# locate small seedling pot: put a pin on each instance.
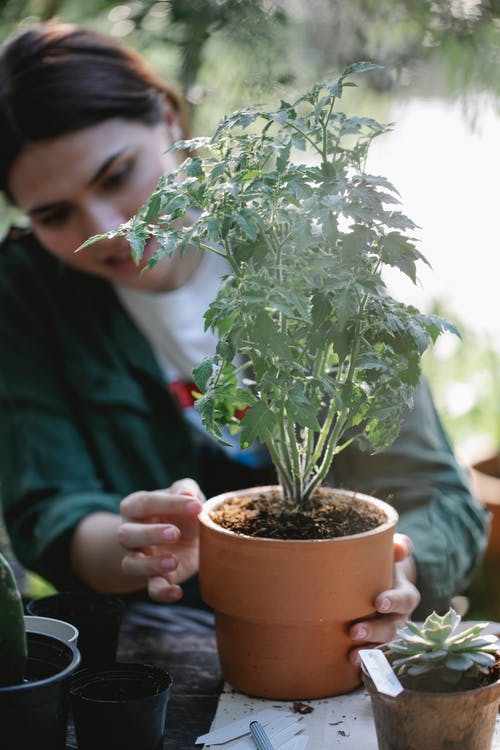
(120, 707)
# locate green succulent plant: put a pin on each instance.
(13, 646)
(436, 647)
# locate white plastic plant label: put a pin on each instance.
(379, 669)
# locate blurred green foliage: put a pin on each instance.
(465, 378)
(231, 51)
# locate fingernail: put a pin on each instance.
(170, 534)
(175, 593)
(193, 506)
(359, 633)
(355, 658)
(168, 563)
(384, 605)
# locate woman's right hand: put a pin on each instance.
(159, 533)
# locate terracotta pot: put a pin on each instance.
(417, 719)
(487, 481)
(282, 608)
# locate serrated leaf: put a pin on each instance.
(202, 373)
(258, 423)
(245, 225)
(302, 411)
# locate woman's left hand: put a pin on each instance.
(159, 535)
(393, 606)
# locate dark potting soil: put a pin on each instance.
(266, 515)
(433, 684)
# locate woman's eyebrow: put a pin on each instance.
(105, 166)
(42, 208)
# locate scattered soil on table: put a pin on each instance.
(267, 515)
(302, 708)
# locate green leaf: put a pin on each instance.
(258, 423)
(360, 67)
(94, 239)
(419, 669)
(460, 662)
(245, 224)
(152, 207)
(484, 660)
(202, 373)
(411, 628)
(302, 411)
(398, 251)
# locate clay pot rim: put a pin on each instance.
(214, 502)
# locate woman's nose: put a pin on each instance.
(102, 217)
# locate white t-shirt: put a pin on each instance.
(173, 323)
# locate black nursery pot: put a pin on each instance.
(121, 707)
(34, 713)
(98, 618)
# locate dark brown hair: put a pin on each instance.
(57, 78)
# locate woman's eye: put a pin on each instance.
(117, 178)
(55, 217)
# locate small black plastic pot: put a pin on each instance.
(120, 707)
(34, 713)
(98, 618)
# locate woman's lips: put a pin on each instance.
(117, 260)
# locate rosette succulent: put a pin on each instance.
(436, 647)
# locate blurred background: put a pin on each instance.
(439, 85)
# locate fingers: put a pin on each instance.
(188, 486)
(394, 606)
(137, 536)
(402, 599)
(143, 506)
(403, 547)
(159, 534)
(144, 565)
(160, 590)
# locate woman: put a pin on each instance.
(95, 359)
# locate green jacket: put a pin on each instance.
(86, 418)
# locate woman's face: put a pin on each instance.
(88, 182)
